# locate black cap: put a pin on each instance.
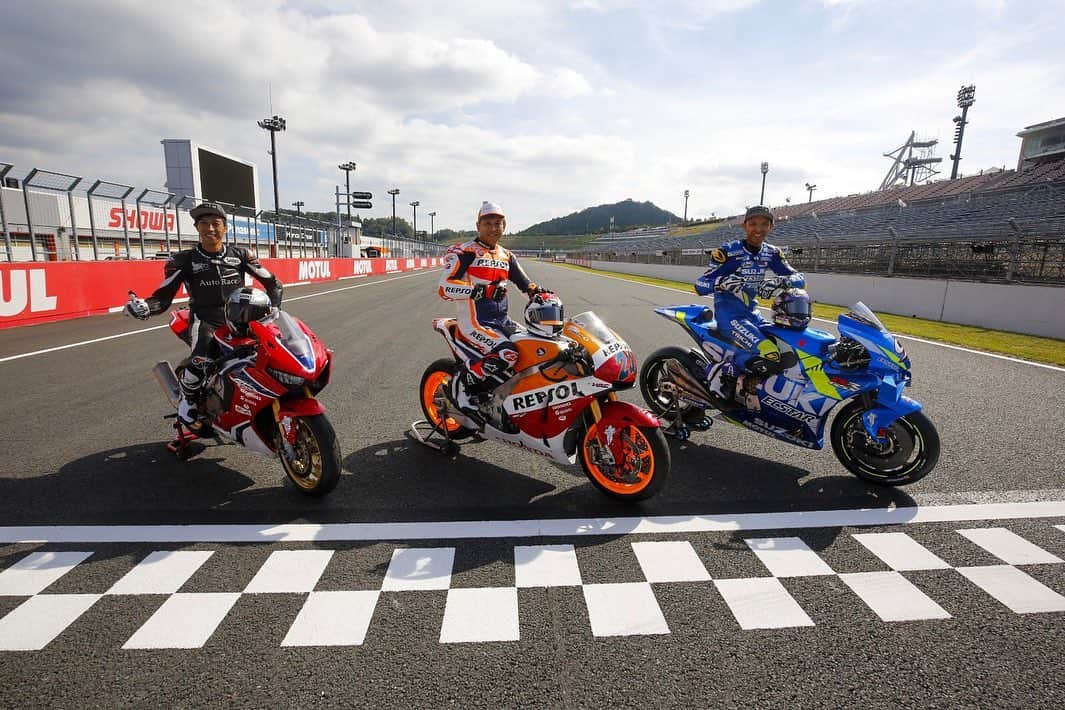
(205, 210)
(758, 211)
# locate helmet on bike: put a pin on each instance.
(544, 315)
(791, 309)
(244, 306)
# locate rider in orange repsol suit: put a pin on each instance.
(474, 278)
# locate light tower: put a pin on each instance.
(966, 98)
(273, 124)
(415, 206)
(347, 168)
(394, 191)
(686, 193)
(810, 189)
(765, 169)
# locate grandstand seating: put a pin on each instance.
(990, 206)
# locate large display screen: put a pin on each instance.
(226, 180)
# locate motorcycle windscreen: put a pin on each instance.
(861, 313)
(292, 338)
(594, 327)
(611, 356)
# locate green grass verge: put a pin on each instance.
(1027, 347)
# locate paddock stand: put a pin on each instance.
(424, 432)
(674, 423)
(182, 438)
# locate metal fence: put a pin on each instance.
(51, 216)
(1020, 259)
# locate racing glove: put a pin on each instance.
(771, 287)
(535, 290)
(479, 292)
(138, 308)
(733, 283)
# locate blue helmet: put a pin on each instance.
(791, 309)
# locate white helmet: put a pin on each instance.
(544, 315)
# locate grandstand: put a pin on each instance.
(999, 225)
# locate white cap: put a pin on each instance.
(488, 208)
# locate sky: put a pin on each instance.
(543, 107)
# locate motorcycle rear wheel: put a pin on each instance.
(644, 456)
(315, 467)
(910, 455)
(432, 394)
(651, 377)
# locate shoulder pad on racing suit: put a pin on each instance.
(455, 285)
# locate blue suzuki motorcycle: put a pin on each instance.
(879, 435)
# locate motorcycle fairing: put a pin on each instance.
(554, 447)
(623, 414)
(543, 408)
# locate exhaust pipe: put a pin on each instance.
(687, 386)
(164, 375)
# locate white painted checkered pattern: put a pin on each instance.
(627, 607)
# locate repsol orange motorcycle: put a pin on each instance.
(561, 404)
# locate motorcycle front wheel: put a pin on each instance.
(432, 393)
(641, 460)
(315, 465)
(910, 453)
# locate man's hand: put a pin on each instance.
(535, 290)
(771, 287)
(478, 292)
(138, 308)
(733, 283)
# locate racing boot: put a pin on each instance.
(491, 373)
(465, 393)
(721, 379)
(187, 411)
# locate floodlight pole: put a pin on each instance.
(273, 125)
(966, 98)
(686, 193)
(347, 168)
(432, 230)
(394, 191)
(765, 169)
(299, 226)
(810, 189)
(415, 206)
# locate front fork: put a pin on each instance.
(888, 406)
(604, 452)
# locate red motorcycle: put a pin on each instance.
(261, 394)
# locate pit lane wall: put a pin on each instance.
(1018, 308)
(40, 292)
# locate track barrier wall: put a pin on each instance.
(1017, 308)
(41, 292)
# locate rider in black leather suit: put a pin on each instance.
(210, 272)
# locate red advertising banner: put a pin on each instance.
(40, 292)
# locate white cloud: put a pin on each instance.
(545, 107)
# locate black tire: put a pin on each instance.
(447, 368)
(315, 468)
(644, 488)
(651, 375)
(914, 435)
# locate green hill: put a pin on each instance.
(626, 214)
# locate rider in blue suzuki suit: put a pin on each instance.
(735, 277)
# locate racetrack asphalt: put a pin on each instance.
(83, 441)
